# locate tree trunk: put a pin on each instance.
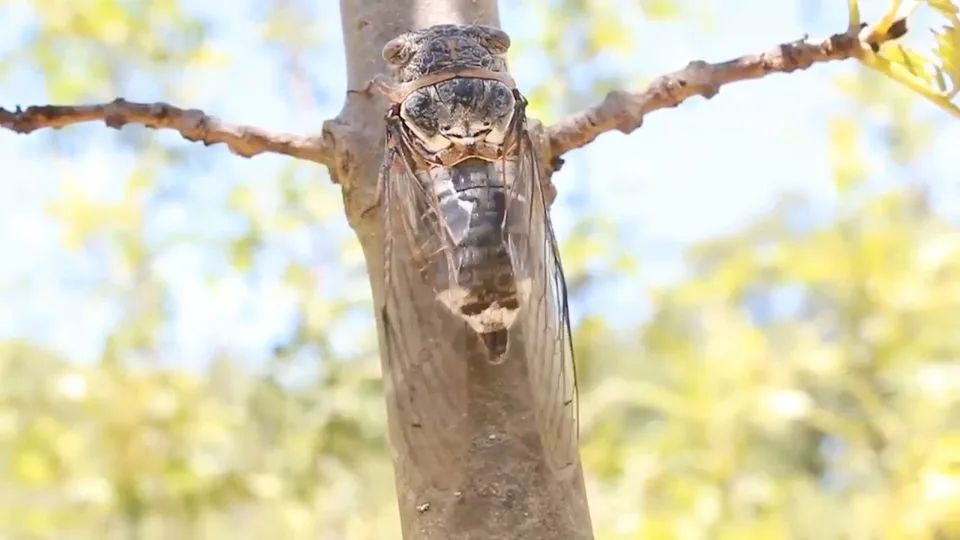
(472, 457)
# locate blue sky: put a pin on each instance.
(703, 169)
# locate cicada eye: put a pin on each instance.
(397, 51)
(493, 39)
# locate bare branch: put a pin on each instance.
(192, 124)
(624, 111)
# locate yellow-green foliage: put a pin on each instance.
(935, 77)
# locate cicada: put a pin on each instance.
(466, 214)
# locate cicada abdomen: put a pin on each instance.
(480, 284)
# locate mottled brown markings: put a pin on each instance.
(453, 52)
(413, 55)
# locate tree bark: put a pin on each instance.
(472, 456)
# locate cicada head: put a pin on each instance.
(462, 110)
(446, 48)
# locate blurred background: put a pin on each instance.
(765, 285)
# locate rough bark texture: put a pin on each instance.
(469, 456)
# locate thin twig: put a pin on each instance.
(192, 124)
(624, 111)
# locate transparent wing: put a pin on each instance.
(544, 321)
(420, 336)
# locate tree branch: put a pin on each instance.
(624, 111)
(192, 124)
